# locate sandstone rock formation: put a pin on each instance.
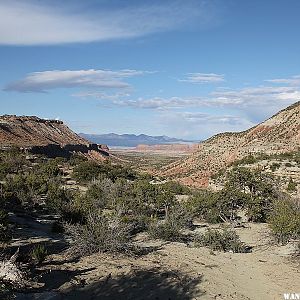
(280, 133)
(50, 137)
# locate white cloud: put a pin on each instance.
(294, 80)
(40, 23)
(160, 103)
(203, 78)
(44, 81)
(257, 98)
(220, 111)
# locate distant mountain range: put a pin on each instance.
(131, 140)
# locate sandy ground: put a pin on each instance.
(175, 271)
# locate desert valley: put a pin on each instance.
(216, 220)
(149, 150)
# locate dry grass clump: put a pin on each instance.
(99, 234)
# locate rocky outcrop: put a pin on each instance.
(49, 137)
(280, 133)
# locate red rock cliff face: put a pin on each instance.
(44, 136)
(280, 133)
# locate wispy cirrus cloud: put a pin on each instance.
(200, 78)
(294, 80)
(252, 97)
(255, 96)
(251, 104)
(155, 103)
(47, 80)
(205, 117)
(40, 23)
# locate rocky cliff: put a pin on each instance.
(50, 137)
(280, 133)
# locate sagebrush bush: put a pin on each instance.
(99, 234)
(225, 240)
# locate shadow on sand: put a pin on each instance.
(140, 284)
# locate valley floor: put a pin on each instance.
(172, 271)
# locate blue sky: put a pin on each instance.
(187, 69)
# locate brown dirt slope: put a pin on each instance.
(280, 133)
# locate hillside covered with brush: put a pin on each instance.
(278, 134)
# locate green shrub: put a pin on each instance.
(216, 207)
(12, 161)
(49, 169)
(136, 223)
(248, 160)
(169, 229)
(77, 159)
(57, 197)
(176, 188)
(259, 190)
(204, 205)
(39, 253)
(225, 240)
(27, 188)
(15, 187)
(87, 171)
(97, 194)
(284, 220)
(243, 189)
(165, 230)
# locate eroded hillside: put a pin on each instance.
(279, 134)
